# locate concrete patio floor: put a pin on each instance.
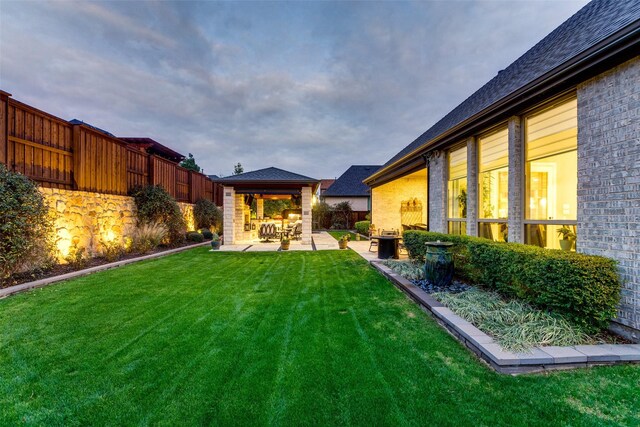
(322, 241)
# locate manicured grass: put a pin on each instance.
(267, 338)
(338, 234)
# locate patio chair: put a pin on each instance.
(267, 232)
(373, 243)
(296, 231)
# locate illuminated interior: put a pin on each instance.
(457, 191)
(551, 173)
(493, 193)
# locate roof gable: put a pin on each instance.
(590, 25)
(350, 184)
(268, 174)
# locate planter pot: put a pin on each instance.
(566, 245)
(438, 265)
(215, 245)
(285, 246)
(342, 244)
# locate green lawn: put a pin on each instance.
(267, 338)
(338, 234)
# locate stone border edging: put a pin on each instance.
(51, 280)
(540, 359)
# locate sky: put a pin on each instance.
(310, 87)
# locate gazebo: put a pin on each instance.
(263, 184)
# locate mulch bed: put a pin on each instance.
(59, 269)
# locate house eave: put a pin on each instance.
(612, 51)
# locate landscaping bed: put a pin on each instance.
(60, 269)
(515, 325)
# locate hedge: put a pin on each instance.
(362, 227)
(583, 288)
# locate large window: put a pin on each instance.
(493, 183)
(457, 191)
(551, 173)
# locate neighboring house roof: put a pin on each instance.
(350, 184)
(268, 174)
(558, 51)
(324, 184)
(154, 147)
(214, 177)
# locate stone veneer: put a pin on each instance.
(609, 177)
(87, 219)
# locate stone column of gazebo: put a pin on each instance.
(269, 183)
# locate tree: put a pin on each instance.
(342, 215)
(190, 163)
(238, 169)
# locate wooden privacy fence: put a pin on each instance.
(59, 154)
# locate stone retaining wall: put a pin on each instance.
(86, 219)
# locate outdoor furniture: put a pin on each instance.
(267, 232)
(373, 242)
(388, 246)
(296, 231)
(420, 226)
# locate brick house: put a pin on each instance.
(552, 140)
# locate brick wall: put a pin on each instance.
(609, 177)
(386, 200)
(438, 193)
(516, 180)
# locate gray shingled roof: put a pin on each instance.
(268, 174)
(590, 25)
(350, 183)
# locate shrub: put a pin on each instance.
(206, 233)
(583, 288)
(155, 205)
(362, 227)
(147, 237)
(322, 216)
(25, 225)
(194, 236)
(341, 216)
(207, 215)
(112, 251)
(77, 256)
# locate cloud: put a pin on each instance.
(311, 87)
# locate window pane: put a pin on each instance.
(552, 131)
(458, 227)
(552, 163)
(552, 187)
(545, 235)
(494, 150)
(496, 231)
(458, 163)
(457, 198)
(494, 194)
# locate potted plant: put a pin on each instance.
(215, 241)
(285, 243)
(343, 241)
(567, 238)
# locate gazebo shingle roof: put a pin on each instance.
(268, 174)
